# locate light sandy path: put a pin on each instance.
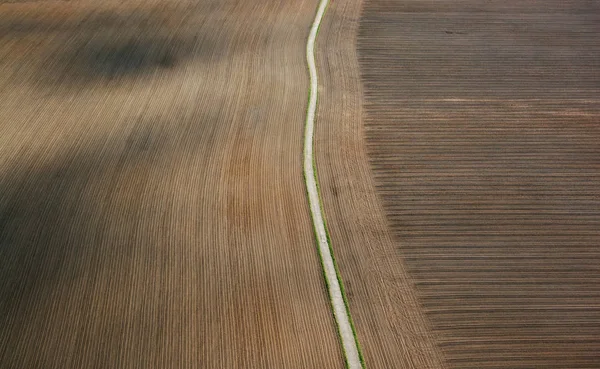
(335, 293)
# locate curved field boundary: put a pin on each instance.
(334, 284)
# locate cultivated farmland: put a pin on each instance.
(390, 325)
(153, 212)
(482, 125)
(152, 207)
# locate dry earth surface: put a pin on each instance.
(390, 325)
(153, 215)
(481, 121)
(152, 206)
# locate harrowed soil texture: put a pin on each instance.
(482, 124)
(153, 212)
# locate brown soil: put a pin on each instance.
(390, 325)
(152, 205)
(481, 121)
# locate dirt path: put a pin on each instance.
(152, 207)
(340, 311)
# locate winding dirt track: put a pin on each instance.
(334, 286)
(152, 206)
(481, 123)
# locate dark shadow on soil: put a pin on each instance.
(105, 47)
(70, 223)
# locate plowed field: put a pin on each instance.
(152, 207)
(390, 325)
(482, 126)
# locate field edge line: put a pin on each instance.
(339, 302)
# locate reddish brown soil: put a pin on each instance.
(482, 123)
